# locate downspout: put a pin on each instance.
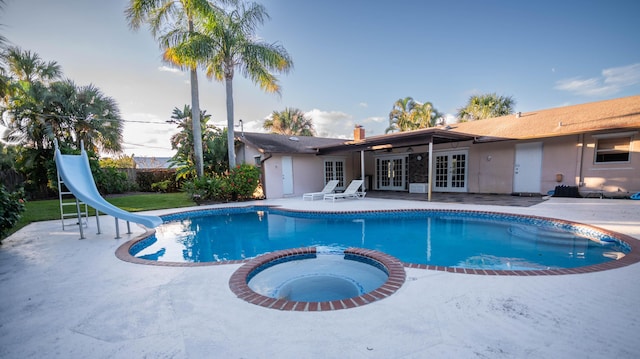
(580, 159)
(364, 185)
(430, 168)
(262, 174)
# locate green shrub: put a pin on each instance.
(242, 181)
(147, 178)
(109, 180)
(11, 207)
(206, 188)
(162, 186)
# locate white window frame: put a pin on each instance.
(337, 175)
(609, 137)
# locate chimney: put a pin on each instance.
(358, 133)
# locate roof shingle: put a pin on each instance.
(621, 113)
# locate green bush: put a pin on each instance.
(206, 188)
(147, 178)
(11, 207)
(242, 181)
(109, 180)
(162, 186)
(239, 184)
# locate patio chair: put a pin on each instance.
(328, 188)
(350, 192)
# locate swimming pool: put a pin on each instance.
(426, 238)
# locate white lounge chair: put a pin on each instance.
(350, 192)
(328, 188)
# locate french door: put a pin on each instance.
(391, 173)
(334, 170)
(450, 171)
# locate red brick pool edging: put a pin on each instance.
(123, 252)
(239, 285)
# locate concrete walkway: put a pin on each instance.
(69, 298)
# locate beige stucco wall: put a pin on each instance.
(611, 177)
(560, 156)
(491, 167)
(308, 174)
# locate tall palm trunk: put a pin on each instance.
(195, 118)
(230, 132)
(197, 129)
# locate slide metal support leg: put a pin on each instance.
(79, 218)
(128, 228)
(117, 230)
(98, 221)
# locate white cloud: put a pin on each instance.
(173, 70)
(335, 124)
(363, 104)
(450, 119)
(612, 81)
(147, 135)
(622, 76)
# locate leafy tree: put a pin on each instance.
(11, 208)
(86, 115)
(122, 161)
(226, 43)
(40, 107)
(8, 155)
(408, 114)
(291, 122)
(27, 66)
(215, 146)
(486, 106)
(172, 21)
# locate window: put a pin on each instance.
(257, 160)
(613, 149)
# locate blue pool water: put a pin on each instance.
(325, 277)
(443, 238)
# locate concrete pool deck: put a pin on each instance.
(69, 298)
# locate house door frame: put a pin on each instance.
(287, 175)
(527, 168)
(450, 171)
(391, 172)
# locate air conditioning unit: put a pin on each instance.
(417, 188)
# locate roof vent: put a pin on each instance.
(294, 138)
(518, 114)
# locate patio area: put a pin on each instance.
(70, 298)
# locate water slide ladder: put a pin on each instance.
(73, 212)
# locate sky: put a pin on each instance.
(353, 59)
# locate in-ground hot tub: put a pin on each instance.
(306, 279)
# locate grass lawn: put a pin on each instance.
(50, 209)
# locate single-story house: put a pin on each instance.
(290, 164)
(151, 162)
(594, 147)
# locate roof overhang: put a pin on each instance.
(398, 140)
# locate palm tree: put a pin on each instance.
(85, 114)
(425, 115)
(26, 96)
(233, 45)
(486, 106)
(214, 144)
(176, 16)
(29, 67)
(408, 114)
(290, 122)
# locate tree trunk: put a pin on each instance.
(197, 129)
(230, 123)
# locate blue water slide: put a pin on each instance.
(76, 174)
